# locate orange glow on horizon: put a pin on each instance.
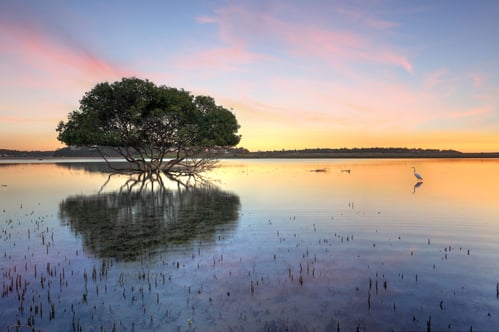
(30, 142)
(367, 179)
(278, 138)
(275, 138)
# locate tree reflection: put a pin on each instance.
(127, 224)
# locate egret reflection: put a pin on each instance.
(416, 186)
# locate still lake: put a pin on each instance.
(262, 245)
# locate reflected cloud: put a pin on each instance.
(128, 224)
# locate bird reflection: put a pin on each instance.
(416, 185)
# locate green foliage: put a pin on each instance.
(136, 115)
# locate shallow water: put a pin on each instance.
(302, 245)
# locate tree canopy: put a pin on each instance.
(156, 128)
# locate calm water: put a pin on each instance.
(279, 245)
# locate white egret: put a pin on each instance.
(417, 175)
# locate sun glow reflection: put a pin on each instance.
(468, 186)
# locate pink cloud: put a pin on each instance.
(366, 18)
(391, 58)
(226, 58)
(243, 26)
(339, 46)
(31, 50)
(436, 78)
(222, 59)
(316, 104)
(471, 112)
(43, 79)
(478, 79)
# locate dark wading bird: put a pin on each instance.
(417, 175)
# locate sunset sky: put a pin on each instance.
(297, 74)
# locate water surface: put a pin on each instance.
(264, 245)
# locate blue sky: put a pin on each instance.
(296, 74)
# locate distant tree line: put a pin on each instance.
(374, 152)
(5, 153)
(373, 149)
(240, 152)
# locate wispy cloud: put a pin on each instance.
(41, 80)
(472, 112)
(367, 18)
(436, 78)
(247, 29)
(479, 79)
(225, 59)
(43, 57)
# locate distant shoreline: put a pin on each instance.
(241, 153)
(359, 155)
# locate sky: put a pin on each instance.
(297, 74)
